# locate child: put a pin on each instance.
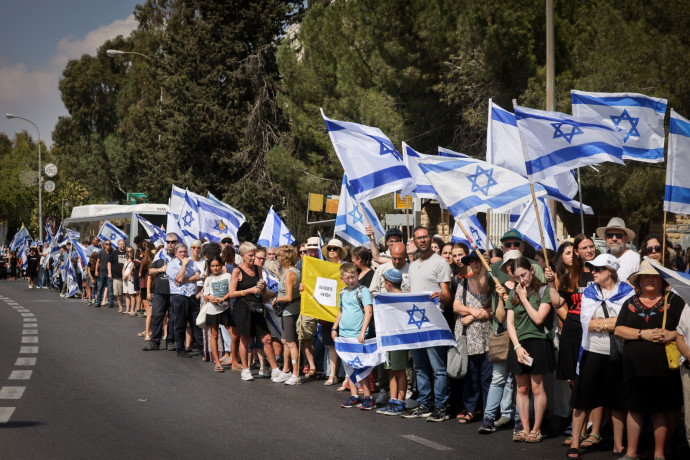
(354, 314)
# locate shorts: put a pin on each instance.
(249, 323)
(144, 293)
(87, 280)
(117, 286)
(290, 328)
(541, 351)
(397, 360)
(135, 282)
(127, 287)
(326, 336)
(307, 327)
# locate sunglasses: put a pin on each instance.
(597, 269)
(171, 242)
(130, 252)
(107, 244)
(513, 244)
(651, 249)
(331, 248)
(304, 252)
(259, 258)
(615, 235)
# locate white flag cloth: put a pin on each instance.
(189, 219)
(476, 231)
(110, 232)
(155, 233)
(217, 220)
(444, 152)
(640, 117)
(528, 226)
(421, 188)
(371, 163)
(81, 251)
(679, 281)
(176, 201)
(72, 234)
(677, 191)
(275, 233)
(70, 279)
(410, 321)
(350, 224)
(555, 142)
(20, 238)
(359, 359)
(171, 225)
(468, 186)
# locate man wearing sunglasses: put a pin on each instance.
(617, 236)
(102, 271)
(512, 241)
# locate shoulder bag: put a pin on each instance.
(672, 353)
(457, 355)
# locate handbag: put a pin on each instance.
(672, 353)
(616, 343)
(498, 347)
(201, 319)
(457, 355)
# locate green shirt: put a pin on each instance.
(524, 326)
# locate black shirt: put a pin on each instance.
(117, 263)
(572, 327)
(103, 259)
(161, 285)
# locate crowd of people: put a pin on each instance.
(583, 335)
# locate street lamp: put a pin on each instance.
(65, 201)
(40, 176)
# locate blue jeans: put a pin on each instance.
(430, 369)
(102, 280)
(40, 277)
(477, 381)
(500, 393)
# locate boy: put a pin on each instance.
(354, 314)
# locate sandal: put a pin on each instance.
(569, 440)
(219, 368)
(311, 374)
(225, 361)
(141, 334)
(466, 418)
(345, 386)
(534, 436)
(520, 436)
(591, 440)
(573, 452)
(147, 338)
(332, 380)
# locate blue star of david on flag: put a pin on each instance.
(386, 147)
(220, 226)
(413, 320)
(113, 236)
(356, 363)
(625, 116)
(474, 179)
(188, 219)
(476, 236)
(288, 237)
(567, 136)
(356, 216)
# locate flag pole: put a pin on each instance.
(299, 347)
(541, 228)
(488, 227)
(663, 242)
(407, 215)
(481, 257)
(582, 214)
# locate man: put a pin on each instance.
(512, 240)
(93, 247)
(679, 262)
(430, 273)
(270, 253)
(398, 261)
(115, 265)
(617, 236)
(393, 235)
(160, 297)
(182, 277)
(102, 269)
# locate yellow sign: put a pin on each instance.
(332, 205)
(322, 284)
(402, 203)
(315, 202)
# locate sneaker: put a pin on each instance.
(382, 398)
(184, 354)
(397, 407)
(275, 373)
(282, 377)
(61, 295)
(438, 415)
(170, 346)
(263, 373)
(503, 421)
(150, 347)
(292, 380)
(383, 410)
(368, 403)
(246, 374)
(418, 412)
(352, 401)
(487, 427)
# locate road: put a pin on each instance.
(75, 384)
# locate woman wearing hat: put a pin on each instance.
(648, 321)
(598, 382)
(335, 252)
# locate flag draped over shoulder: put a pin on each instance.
(275, 233)
(359, 359)
(155, 233)
(350, 224)
(528, 226)
(420, 188)
(468, 186)
(677, 191)
(410, 321)
(555, 142)
(110, 232)
(476, 231)
(322, 283)
(679, 281)
(640, 117)
(371, 163)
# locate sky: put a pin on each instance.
(37, 38)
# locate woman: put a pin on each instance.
(128, 283)
(447, 253)
(270, 292)
(336, 253)
(436, 244)
(32, 268)
(539, 257)
(90, 278)
(495, 255)
(528, 316)
(13, 266)
(289, 300)
(564, 261)
(248, 313)
(231, 341)
(598, 383)
(652, 248)
(473, 307)
(216, 295)
(193, 331)
(647, 321)
(361, 257)
(146, 260)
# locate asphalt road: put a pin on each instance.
(92, 393)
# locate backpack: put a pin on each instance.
(358, 294)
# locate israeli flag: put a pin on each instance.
(350, 225)
(217, 221)
(528, 226)
(274, 233)
(444, 152)
(410, 321)
(679, 281)
(23, 255)
(189, 219)
(176, 201)
(154, 232)
(110, 232)
(359, 359)
(420, 188)
(468, 186)
(171, 225)
(81, 251)
(72, 234)
(371, 163)
(71, 280)
(555, 142)
(274, 323)
(20, 238)
(640, 117)
(320, 246)
(677, 192)
(240, 217)
(163, 255)
(476, 231)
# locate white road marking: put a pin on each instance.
(30, 320)
(25, 362)
(5, 414)
(20, 375)
(23, 310)
(11, 392)
(29, 339)
(426, 442)
(29, 331)
(27, 315)
(30, 350)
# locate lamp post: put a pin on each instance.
(65, 201)
(40, 176)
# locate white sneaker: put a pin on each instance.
(281, 377)
(292, 380)
(246, 374)
(275, 373)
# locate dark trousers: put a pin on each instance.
(160, 304)
(477, 382)
(180, 306)
(104, 281)
(194, 308)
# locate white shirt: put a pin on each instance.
(378, 281)
(683, 328)
(630, 263)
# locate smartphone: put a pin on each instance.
(529, 361)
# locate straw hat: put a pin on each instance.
(615, 223)
(313, 242)
(646, 268)
(334, 243)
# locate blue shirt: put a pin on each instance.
(352, 316)
(185, 289)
